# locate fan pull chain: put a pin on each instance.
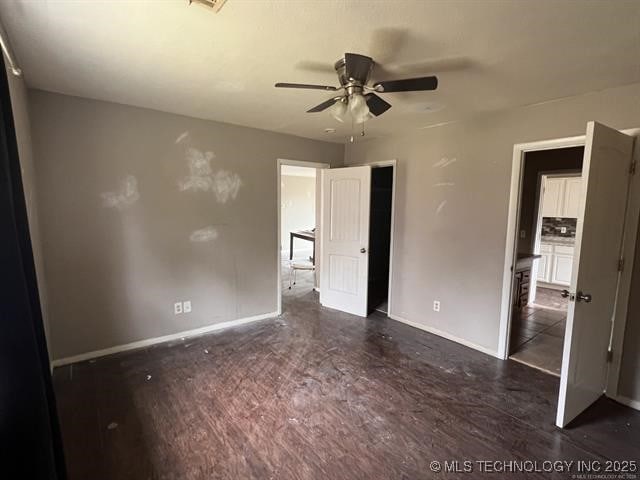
(351, 139)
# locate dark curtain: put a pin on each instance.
(30, 442)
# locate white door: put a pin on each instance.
(552, 197)
(607, 158)
(572, 196)
(346, 196)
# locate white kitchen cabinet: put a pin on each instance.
(572, 196)
(561, 272)
(552, 198)
(554, 267)
(544, 272)
(561, 196)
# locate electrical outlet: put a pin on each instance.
(177, 308)
(563, 229)
(186, 306)
(436, 305)
(523, 234)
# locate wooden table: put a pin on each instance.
(309, 235)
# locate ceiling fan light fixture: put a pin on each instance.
(358, 108)
(354, 71)
(339, 110)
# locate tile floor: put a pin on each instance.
(538, 332)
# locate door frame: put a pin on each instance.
(386, 163)
(295, 163)
(628, 250)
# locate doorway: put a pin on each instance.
(356, 238)
(548, 215)
(298, 215)
(599, 287)
(380, 239)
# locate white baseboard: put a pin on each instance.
(446, 335)
(166, 338)
(635, 404)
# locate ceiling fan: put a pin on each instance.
(353, 72)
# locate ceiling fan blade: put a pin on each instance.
(357, 66)
(306, 86)
(407, 85)
(377, 106)
(324, 105)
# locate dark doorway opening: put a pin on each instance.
(380, 238)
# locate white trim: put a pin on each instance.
(533, 279)
(446, 335)
(627, 401)
(298, 171)
(295, 163)
(166, 338)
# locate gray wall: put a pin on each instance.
(452, 202)
(141, 208)
(298, 199)
(20, 108)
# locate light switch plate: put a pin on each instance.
(186, 306)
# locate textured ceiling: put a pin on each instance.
(184, 59)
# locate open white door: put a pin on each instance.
(344, 239)
(595, 276)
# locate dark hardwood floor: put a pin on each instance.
(317, 394)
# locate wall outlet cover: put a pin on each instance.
(186, 306)
(177, 308)
(436, 305)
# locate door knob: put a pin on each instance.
(363, 250)
(564, 293)
(584, 297)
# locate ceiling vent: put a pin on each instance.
(215, 5)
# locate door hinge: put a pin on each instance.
(632, 168)
(621, 265)
(609, 355)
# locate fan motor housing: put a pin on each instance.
(347, 81)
